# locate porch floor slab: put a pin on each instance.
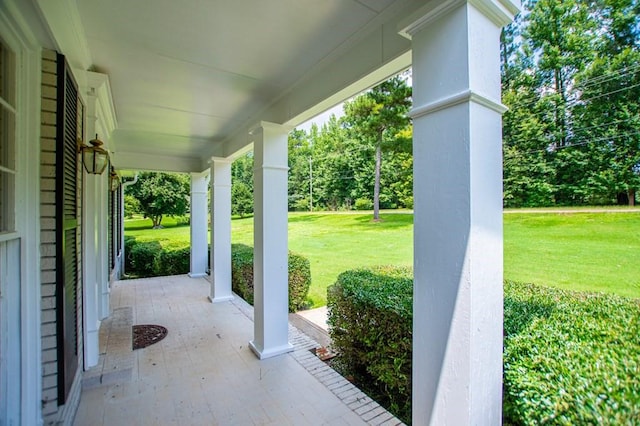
(204, 373)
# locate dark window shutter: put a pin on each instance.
(69, 130)
(112, 257)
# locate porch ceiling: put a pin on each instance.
(190, 78)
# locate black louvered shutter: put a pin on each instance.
(69, 130)
(112, 259)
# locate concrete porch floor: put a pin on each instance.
(203, 372)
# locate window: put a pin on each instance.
(7, 138)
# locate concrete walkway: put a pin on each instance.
(203, 372)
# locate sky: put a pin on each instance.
(322, 118)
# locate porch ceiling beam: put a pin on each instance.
(160, 163)
(352, 69)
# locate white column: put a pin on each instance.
(220, 230)
(103, 191)
(270, 262)
(90, 252)
(199, 255)
(90, 272)
(457, 328)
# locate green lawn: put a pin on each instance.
(578, 250)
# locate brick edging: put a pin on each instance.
(366, 408)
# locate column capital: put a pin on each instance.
(269, 127)
(500, 12)
(221, 160)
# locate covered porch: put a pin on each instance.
(203, 371)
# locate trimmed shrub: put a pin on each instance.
(370, 322)
(299, 281)
(242, 271)
(173, 261)
(242, 276)
(143, 256)
(129, 243)
(183, 220)
(569, 357)
(363, 204)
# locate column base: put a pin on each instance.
(92, 347)
(220, 299)
(269, 353)
(197, 274)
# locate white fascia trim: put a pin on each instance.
(457, 99)
(500, 12)
(67, 31)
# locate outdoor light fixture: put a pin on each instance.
(94, 157)
(114, 181)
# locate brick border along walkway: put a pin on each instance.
(365, 407)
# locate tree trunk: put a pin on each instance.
(632, 197)
(376, 185)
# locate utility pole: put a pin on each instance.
(310, 184)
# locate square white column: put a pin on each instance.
(220, 230)
(458, 272)
(198, 220)
(270, 251)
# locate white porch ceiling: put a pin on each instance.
(190, 77)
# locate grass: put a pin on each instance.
(579, 250)
(575, 251)
(336, 242)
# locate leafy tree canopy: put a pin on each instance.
(161, 194)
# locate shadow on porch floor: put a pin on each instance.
(203, 372)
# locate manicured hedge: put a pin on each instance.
(242, 276)
(129, 242)
(173, 261)
(143, 255)
(152, 259)
(569, 357)
(370, 320)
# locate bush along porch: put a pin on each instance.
(569, 357)
(242, 276)
(153, 259)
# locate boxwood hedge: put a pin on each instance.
(370, 321)
(242, 276)
(569, 357)
(151, 259)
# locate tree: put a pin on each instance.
(242, 185)
(378, 118)
(241, 199)
(131, 205)
(161, 194)
(609, 108)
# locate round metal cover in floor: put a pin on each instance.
(147, 334)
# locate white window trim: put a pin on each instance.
(16, 33)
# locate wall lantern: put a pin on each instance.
(94, 157)
(114, 181)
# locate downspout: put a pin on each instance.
(123, 257)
